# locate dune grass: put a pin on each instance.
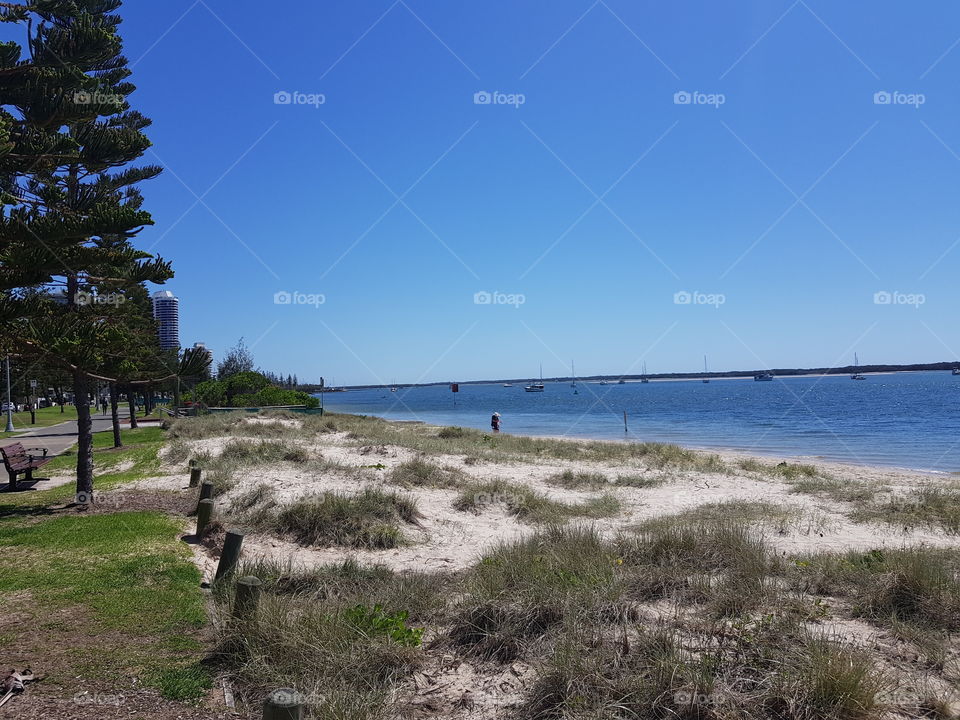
(528, 505)
(420, 472)
(926, 507)
(370, 519)
(577, 480)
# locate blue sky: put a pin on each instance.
(782, 198)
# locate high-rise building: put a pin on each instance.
(166, 311)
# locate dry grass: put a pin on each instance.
(370, 519)
(926, 507)
(529, 505)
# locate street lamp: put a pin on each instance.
(9, 402)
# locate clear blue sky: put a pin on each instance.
(598, 199)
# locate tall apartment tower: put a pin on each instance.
(166, 311)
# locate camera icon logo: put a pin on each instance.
(482, 98)
(84, 498)
(882, 97)
(482, 298)
(882, 298)
(682, 298)
(83, 298)
(282, 298)
(682, 98)
(282, 98)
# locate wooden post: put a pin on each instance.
(195, 476)
(625, 421)
(206, 492)
(204, 513)
(283, 704)
(231, 553)
(247, 597)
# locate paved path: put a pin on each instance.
(58, 438)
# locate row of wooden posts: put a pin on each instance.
(282, 704)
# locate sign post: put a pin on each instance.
(454, 388)
(321, 397)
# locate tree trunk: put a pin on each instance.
(81, 394)
(115, 414)
(132, 398)
(176, 397)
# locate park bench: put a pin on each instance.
(18, 461)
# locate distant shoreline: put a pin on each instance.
(664, 377)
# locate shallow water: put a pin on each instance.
(909, 420)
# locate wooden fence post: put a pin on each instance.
(231, 553)
(247, 597)
(204, 513)
(283, 704)
(195, 476)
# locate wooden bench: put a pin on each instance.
(18, 461)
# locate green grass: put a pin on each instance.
(45, 418)
(123, 574)
(140, 451)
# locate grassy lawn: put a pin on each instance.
(45, 418)
(106, 595)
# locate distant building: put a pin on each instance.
(166, 311)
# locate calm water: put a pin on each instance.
(909, 420)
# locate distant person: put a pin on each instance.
(495, 422)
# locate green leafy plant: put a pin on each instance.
(375, 621)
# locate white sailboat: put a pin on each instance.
(573, 374)
(644, 378)
(536, 387)
(857, 375)
(706, 379)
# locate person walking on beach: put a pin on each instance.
(495, 422)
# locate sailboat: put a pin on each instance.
(706, 379)
(644, 378)
(857, 375)
(956, 371)
(573, 373)
(536, 387)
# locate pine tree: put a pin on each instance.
(68, 196)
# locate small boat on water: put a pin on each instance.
(644, 378)
(536, 387)
(857, 375)
(956, 371)
(603, 382)
(621, 382)
(763, 377)
(705, 371)
(508, 384)
(573, 375)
